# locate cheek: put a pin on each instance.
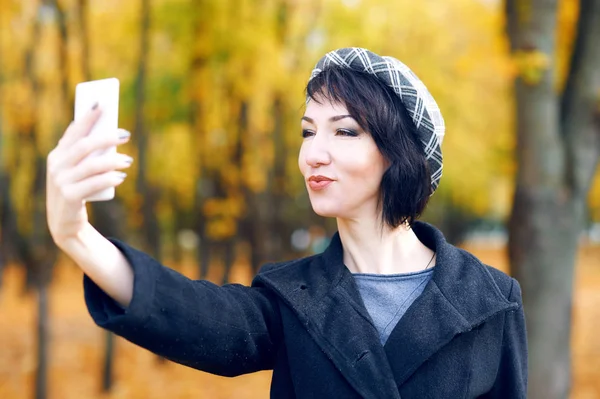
(365, 166)
(301, 159)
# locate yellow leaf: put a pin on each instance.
(531, 65)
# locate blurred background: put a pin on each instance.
(213, 92)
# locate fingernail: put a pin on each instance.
(121, 175)
(95, 106)
(124, 134)
(128, 159)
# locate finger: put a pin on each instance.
(87, 145)
(94, 166)
(80, 128)
(83, 189)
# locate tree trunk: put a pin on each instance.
(149, 193)
(204, 255)
(280, 236)
(41, 266)
(109, 361)
(37, 251)
(256, 223)
(3, 187)
(4, 218)
(556, 157)
(542, 252)
(108, 219)
(62, 44)
(180, 218)
(41, 377)
(13, 244)
(228, 258)
(82, 10)
(199, 56)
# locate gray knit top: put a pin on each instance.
(388, 296)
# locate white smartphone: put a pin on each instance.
(105, 92)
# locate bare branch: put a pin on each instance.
(511, 22)
(63, 53)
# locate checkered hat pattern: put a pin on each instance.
(416, 98)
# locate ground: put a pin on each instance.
(76, 343)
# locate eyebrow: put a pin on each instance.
(332, 119)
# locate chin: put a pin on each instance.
(326, 209)
(325, 214)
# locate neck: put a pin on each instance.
(370, 249)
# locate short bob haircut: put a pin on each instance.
(406, 184)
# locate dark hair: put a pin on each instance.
(406, 184)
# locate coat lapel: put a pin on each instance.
(324, 296)
(460, 295)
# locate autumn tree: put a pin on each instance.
(29, 236)
(213, 94)
(558, 144)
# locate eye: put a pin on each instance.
(307, 133)
(347, 132)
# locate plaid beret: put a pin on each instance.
(416, 98)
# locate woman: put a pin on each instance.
(389, 310)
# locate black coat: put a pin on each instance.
(463, 337)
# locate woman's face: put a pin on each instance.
(340, 162)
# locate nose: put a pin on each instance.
(317, 151)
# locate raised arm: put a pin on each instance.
(227, 330)
(73, 176)
(99, 259)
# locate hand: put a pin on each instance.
(71, 176)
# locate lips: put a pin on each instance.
(319, 182)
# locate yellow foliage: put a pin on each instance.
(229, 207)
(568, 11)
(524, 11)
(21, 189)
(19, 114)
(221, 228)
(531, 65)
(175, 166)
(212, 207)
(244, 53)
(594, 197)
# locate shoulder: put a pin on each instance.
(476, 290)
(287, 274)
(273, 267)
(507, 285)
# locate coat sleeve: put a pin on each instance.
(226, 330)
(511, 380)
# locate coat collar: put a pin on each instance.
(321, 290)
